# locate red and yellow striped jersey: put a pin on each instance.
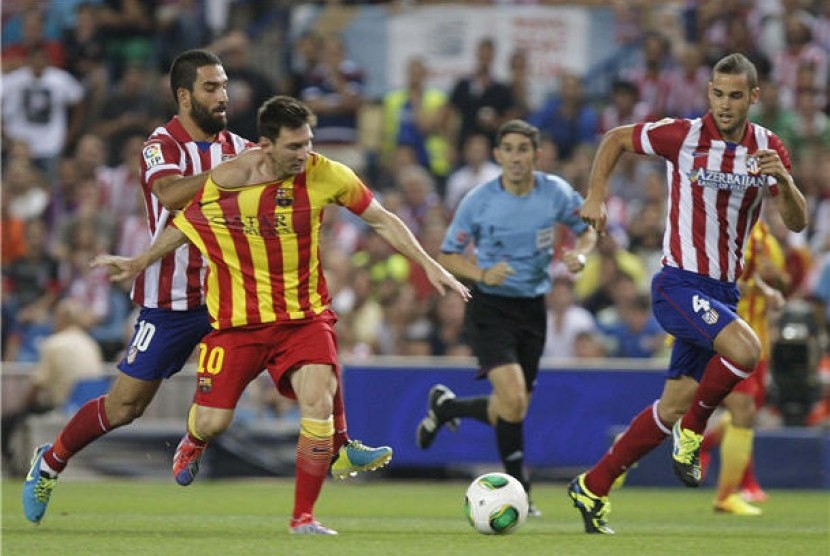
(753, 304)
(262, 242)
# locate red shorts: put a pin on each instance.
(755, 384)
(231, 358)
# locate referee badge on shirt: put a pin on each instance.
(285, 197)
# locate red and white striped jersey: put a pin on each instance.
(715, 191)
(175, 281)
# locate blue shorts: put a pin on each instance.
(694, 309)
(163, 341)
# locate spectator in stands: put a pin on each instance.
(481, 102)
(609, 257)
(86, 58)
(36, 100)
(650, 74)
(645, 230)
(477, 168)
(11, 241)
(447, 335)
(566, 320)
(637, 333)
(128, 27)
(90, 156)
(519, 83)
(820, 221)
(24, 189)
(404, 321)
(68, 355)
(119, 185)
(14, 20)
(417, 187)
(587, 345)
(248, 87)
(31, 286)
(567, 117)
(133, 108)
(625, 106)
(770, 113)
(616, 292)
(363, 314)
(800, 51)
(84, 46)
(416, 115)
(16, 55)
(812, 125)
(305, 56)
(686, 85)
(386, 267)
(334, 90)
(548, 156)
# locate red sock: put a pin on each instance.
(645, 433)
(89, 423)
(314, 449)
(341, 435)
(720, 376)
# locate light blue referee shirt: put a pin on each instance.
(518, 230)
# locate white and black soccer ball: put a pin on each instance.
(495, 504)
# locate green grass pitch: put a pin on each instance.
(395, 518)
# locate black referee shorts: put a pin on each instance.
(507, 330)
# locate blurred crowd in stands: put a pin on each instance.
(84, 83)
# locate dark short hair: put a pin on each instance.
(522, 128)
(184, 69)
(283, 111)
(737, 64)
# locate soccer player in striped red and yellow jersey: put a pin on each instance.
(763, 278)
(257, 221)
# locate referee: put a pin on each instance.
(511, 222)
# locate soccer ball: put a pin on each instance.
(495, 504)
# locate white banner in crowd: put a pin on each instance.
(554, 38)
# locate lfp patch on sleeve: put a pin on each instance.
(152, 155)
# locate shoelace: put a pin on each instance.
(689, 446)
(43, 489)
(358, 445)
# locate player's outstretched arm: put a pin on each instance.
(123, 268)
(613, 144)
(400, 237)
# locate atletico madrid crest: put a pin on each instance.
(752, 165)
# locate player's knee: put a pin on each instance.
(120, 413)
(748, 357)
(211, 425)
(743, 349)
